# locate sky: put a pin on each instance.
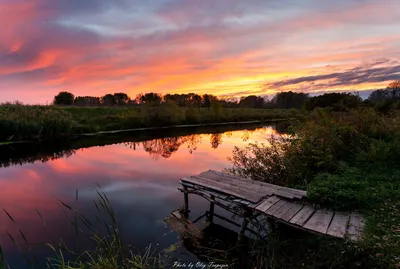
(228, 48)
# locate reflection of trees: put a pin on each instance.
(192, 141)
(162, 147)
(166, 146)
(215, 140)
(12, 156)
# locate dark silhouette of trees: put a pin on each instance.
(121, 98)
(150, 98)
(287, 100)
(64, 98)
(109, 100)
(252, 101)
(208, 99)
(387, 99)
(336, 101)
(86, 101)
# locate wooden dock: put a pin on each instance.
(289, 206)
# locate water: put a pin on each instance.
(139, 173)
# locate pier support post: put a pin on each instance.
(211, 213)
(186, 198)
(245, 222)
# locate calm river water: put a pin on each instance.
(139, 173)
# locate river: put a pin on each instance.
(139, 172)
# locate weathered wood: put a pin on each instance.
(251, 184)
(300, 193)
(281, 211)
(302, 216)
(211, 215)
(288, 215)
(225, 188)
(356, 226)
(275, 207)
(276, 202)
(186, 198)
(236, 182)
(319, 222)
(264, 206)
(338, 225)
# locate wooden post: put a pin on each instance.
(186, 197)
(211, 213)
(245, 222)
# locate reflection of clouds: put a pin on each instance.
(142, 190)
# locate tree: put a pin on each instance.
(121, 98)
(64, 98)
(287, 100)
(336, 101)
(252, 101)
(208, 99)
(86, 101)
(109, 100)
(149, 98)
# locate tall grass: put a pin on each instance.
(25, 122)
(108, 252)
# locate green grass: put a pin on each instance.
(347, 161)
(24, 122)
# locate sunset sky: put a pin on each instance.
(225, 47)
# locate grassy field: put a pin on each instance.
(22, 122)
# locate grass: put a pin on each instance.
(347, 161)
(109, 251)
(25, 122)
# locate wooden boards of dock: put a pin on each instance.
(286, 205)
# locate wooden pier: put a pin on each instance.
(250, 198)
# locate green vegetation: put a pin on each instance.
(345, 161)
(23, 122)
(108, 252)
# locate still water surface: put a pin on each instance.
(140, 176)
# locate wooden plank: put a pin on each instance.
(224, 188)
(338, 225)
(275, 207)
(356, 226)
(251, 185)
(288, 215)
(249, 194)
(264, 206)
(319, 222)
(272, 189)
(281, 211)
(302, 216)
(301, 193)
(236, 182)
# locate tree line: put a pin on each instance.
(382, 99)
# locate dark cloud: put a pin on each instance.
(354, 76)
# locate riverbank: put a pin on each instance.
(21, 122)
(345, 162)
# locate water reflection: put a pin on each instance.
(163, 146)
(140, 174)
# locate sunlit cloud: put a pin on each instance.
(229, 48)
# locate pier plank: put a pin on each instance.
(356, 226)
(288, 215)
(265, 205)
(319, 222)
(338, 225)
(225, 188)
(302, 216)
(275, 207)
(297, 192)
(255, 185)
